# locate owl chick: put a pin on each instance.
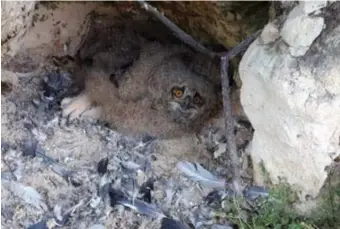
(157, 95)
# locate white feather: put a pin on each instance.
(28, 194)
(199, 174)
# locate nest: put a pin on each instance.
(85, 175)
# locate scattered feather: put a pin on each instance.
(97, 226)
(168, 223)
(169, 191)
(219, 226)
(76, 179)
(55, 166)
(57, 212)
(46, 159)
(130, 165)
(145, 190)
(214, 197)
(254, 192)
(63, 218)
(221, 150)
(58, 169)
(102, 166)
(28, 194)
(148, 138)
(197, 173)
(118, 197)
(201, 217)
(19, 170)
(29, 147)
(7, 175)
(95, 201)
(4, 146)
(39, 225)
(29, 126)
(104, 186)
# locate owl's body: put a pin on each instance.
(157, 95)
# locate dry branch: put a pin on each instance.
(228, 114)
(229, 126)
(225, 57)
(186, 38)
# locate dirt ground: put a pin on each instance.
(57, 172)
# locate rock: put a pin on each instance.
(15, 18)
(294, 103)
(224, 22)
(312, 6)
(270, 33)
(299, 31)
(32, 30)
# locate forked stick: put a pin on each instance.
(186, 38)
(225, 57)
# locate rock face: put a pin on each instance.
(224, 22)
(33, 30)
(291, 95)
(15, 17)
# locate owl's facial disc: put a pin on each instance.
(185, 106)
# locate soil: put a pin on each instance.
(51, 167)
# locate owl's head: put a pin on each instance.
(186, 104)
(188, 98)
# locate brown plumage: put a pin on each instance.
(157, 95)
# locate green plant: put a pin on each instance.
(277, 211)
(327, 215)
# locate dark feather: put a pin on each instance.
(39, 225)
(102, 166)
(145, 190)
(4, 146)
(118, 197)
(168, 223)
(29, 147)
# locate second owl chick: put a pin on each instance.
(158, 96)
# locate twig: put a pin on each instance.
(228, 114)
(189, 40)
(241, 47)
(229, 126)
(186, 38)
(225, 57)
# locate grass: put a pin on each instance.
(278, 211)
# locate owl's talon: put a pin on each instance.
(65, 102)
(79, 107)
(92, 112)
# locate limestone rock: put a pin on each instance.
(312, 6)
(300, 30)
(15, 18)
(270, 33)
(32, 31)
(294, 103)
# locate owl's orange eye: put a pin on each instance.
(178, 92)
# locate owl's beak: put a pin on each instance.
(186, 104)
